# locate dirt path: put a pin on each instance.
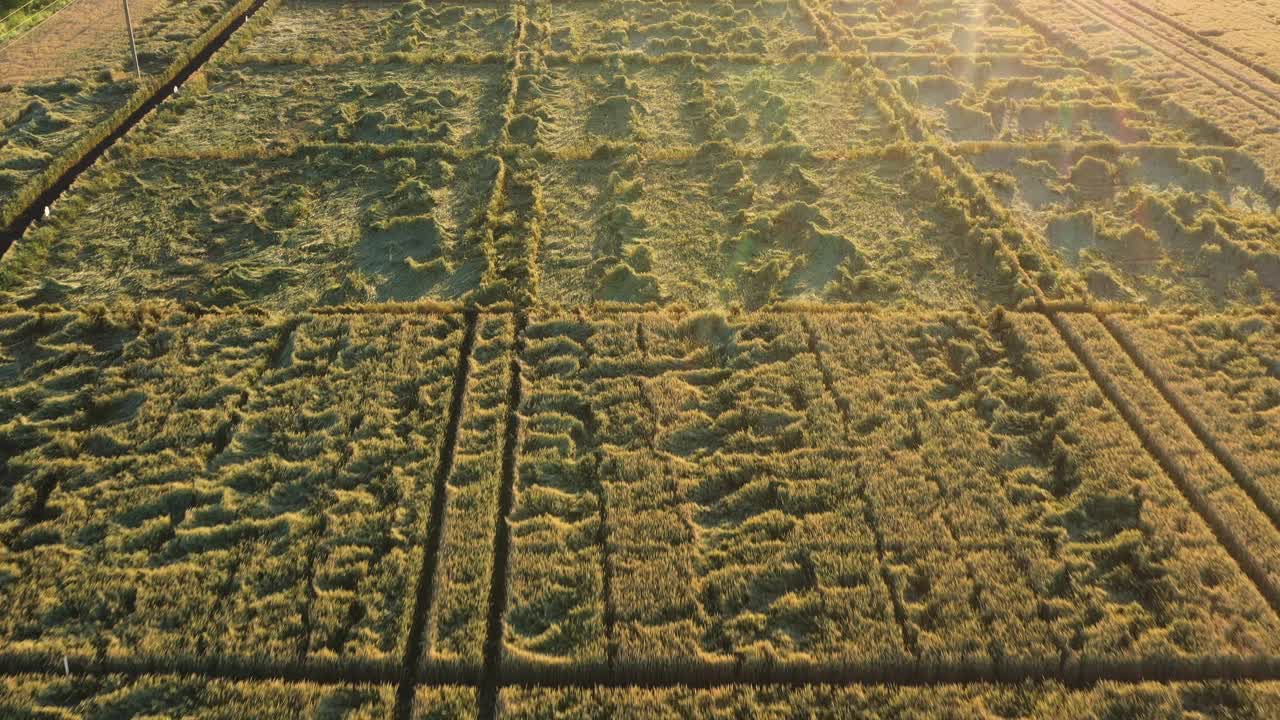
(84, 37)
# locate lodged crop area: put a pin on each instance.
(647, 358)
(706, 155)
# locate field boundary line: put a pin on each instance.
(26, 205)
(675, 153)
(680, 59)
(491, 674)
(971, 147)
(429, 309)
(242, 59)
(425, 589)
(1192, 420)
(332, 672)
(1222, 531)
(897, 673)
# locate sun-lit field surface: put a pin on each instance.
(750, 358)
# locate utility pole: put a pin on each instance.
(133, 46)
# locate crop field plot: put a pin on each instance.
(716, 358)
(1163, 225)
(1180, 61)
(1237, 28)
(247, 515)
(1015, 98)
(289, 231)
(717, 229)
(574, 106)
(41, 120)
(754, 492)
(319, 29)
(246, 106)
(977, 73)
(274, 509)
(819, 104)
(776, 29)
(937, 26)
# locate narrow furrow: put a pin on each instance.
(610, 615)
(284, 348)
(309, 592)
(910, 673)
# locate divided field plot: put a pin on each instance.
(1180, 62)
(239, 490)
(713, 358)
(286, 185)
(977, 73)
(290, 179)
(320, 29)
(245, 106)
(694, 494)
